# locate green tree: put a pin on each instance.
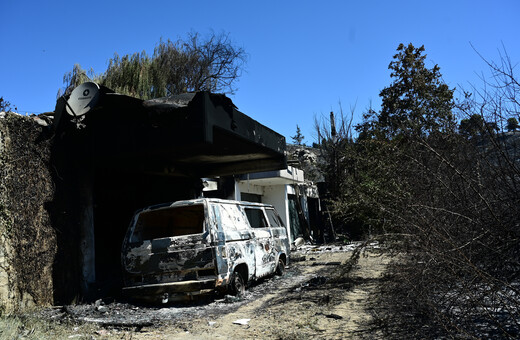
(475, 125)
(298, 138)
(418, 102)
(76, 77)
(211, 64)
(472, 126)
(378, 174)
(131, 75)
(512, 124)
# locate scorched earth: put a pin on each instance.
(324, 293)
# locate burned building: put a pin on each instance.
(112, 154)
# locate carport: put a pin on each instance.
(124, 153)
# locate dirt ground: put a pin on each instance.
(324, 293)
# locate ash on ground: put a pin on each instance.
(124, 314)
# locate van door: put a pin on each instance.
(264, 253)
(233, 244)
(278, 232)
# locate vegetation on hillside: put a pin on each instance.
(6, 106)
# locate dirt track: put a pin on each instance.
(322, 295)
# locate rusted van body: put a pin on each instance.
(198, 246)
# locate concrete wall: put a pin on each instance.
(277, 196)
(249, 188)
(271, 194)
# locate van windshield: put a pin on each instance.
(169, 222)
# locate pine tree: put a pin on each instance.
(418, 102)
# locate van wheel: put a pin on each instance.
(280, 268)
(237, 286)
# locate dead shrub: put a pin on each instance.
(25, 188)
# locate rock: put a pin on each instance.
(241, 321)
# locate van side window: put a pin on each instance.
(169, 222)
(231, 217)
(256, 218)
(274, 220)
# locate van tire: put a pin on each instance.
(280, 268)
(237, 287)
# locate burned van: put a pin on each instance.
(185, 248)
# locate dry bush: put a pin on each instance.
(460, 276)
(26, 186)
(460, 273)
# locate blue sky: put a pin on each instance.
(304, 56)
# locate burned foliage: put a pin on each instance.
(453, 213)
(28, 241)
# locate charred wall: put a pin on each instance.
(66, 210)
(117, 196)
(103, 175)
